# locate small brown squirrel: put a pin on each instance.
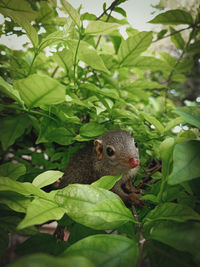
(113, 153)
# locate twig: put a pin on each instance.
(54, 72)
(157, 168)
(142, 240)
(111, 7)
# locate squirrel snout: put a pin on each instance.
(134, 162)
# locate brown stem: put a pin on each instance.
(142, 240)
(54, 72)
(111, 7)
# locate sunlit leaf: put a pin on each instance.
(46, 178)
(190, 115)
(133, 47)
(72, 12)
(38, 90)
(106, 182)
(100, 27)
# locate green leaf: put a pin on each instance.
(181, 236)
(133, 47)
(177, 39)
(120, 11)
(106, 250)
(22, 13)
(72, 12)
(100, 27)
(14, 201)
(149, 63)
(172, 211)
(153, 121)
(40, 211)
(93, 207)
(46, 178)
(173, 17)
(26, 189)
(173, 123)
(12, 170)
(11, 129)
(145, 84)
(41, 243)
(92, 129)
(44, 260)
(190, 115)
(38, 90)
(166, 150)
(7, 89)
(186, 162)
(106, 182)
(88, 54)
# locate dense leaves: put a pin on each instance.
(77, 78)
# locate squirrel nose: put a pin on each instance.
(134, 162)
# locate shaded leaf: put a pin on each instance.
(12, 128)
(172, 211)
(44, 260)
(92, 129)
(177, 39)
(186, 162)
(106, 250)
(12, 170)
(166, 150)
(190, 115)
(153, 121)
(173, 17)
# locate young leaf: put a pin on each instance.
(72, 12)
(100, 27)
(172, 211)
(173, 17)
(7, 89)
(106, 250)
(88, 54)
(190, 115)
(38, 90)
(173, 123)
(46, 178)
(41, 210)
(153, 121)
(12, 170)
(133, 47)
(90, 206)
(106, 182)
(12, 128)
(186, 162)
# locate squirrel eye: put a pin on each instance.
(136, 144)
(110, 152)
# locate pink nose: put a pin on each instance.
(134, 162)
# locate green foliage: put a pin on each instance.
(93, 80)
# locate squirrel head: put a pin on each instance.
(117, 150)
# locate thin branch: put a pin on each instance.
(142, 240)
(54, 72)
(155, 169)
(111, 7)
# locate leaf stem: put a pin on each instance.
(75, 57)
(142, 240)
(34, 57)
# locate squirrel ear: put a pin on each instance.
(99, 148)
